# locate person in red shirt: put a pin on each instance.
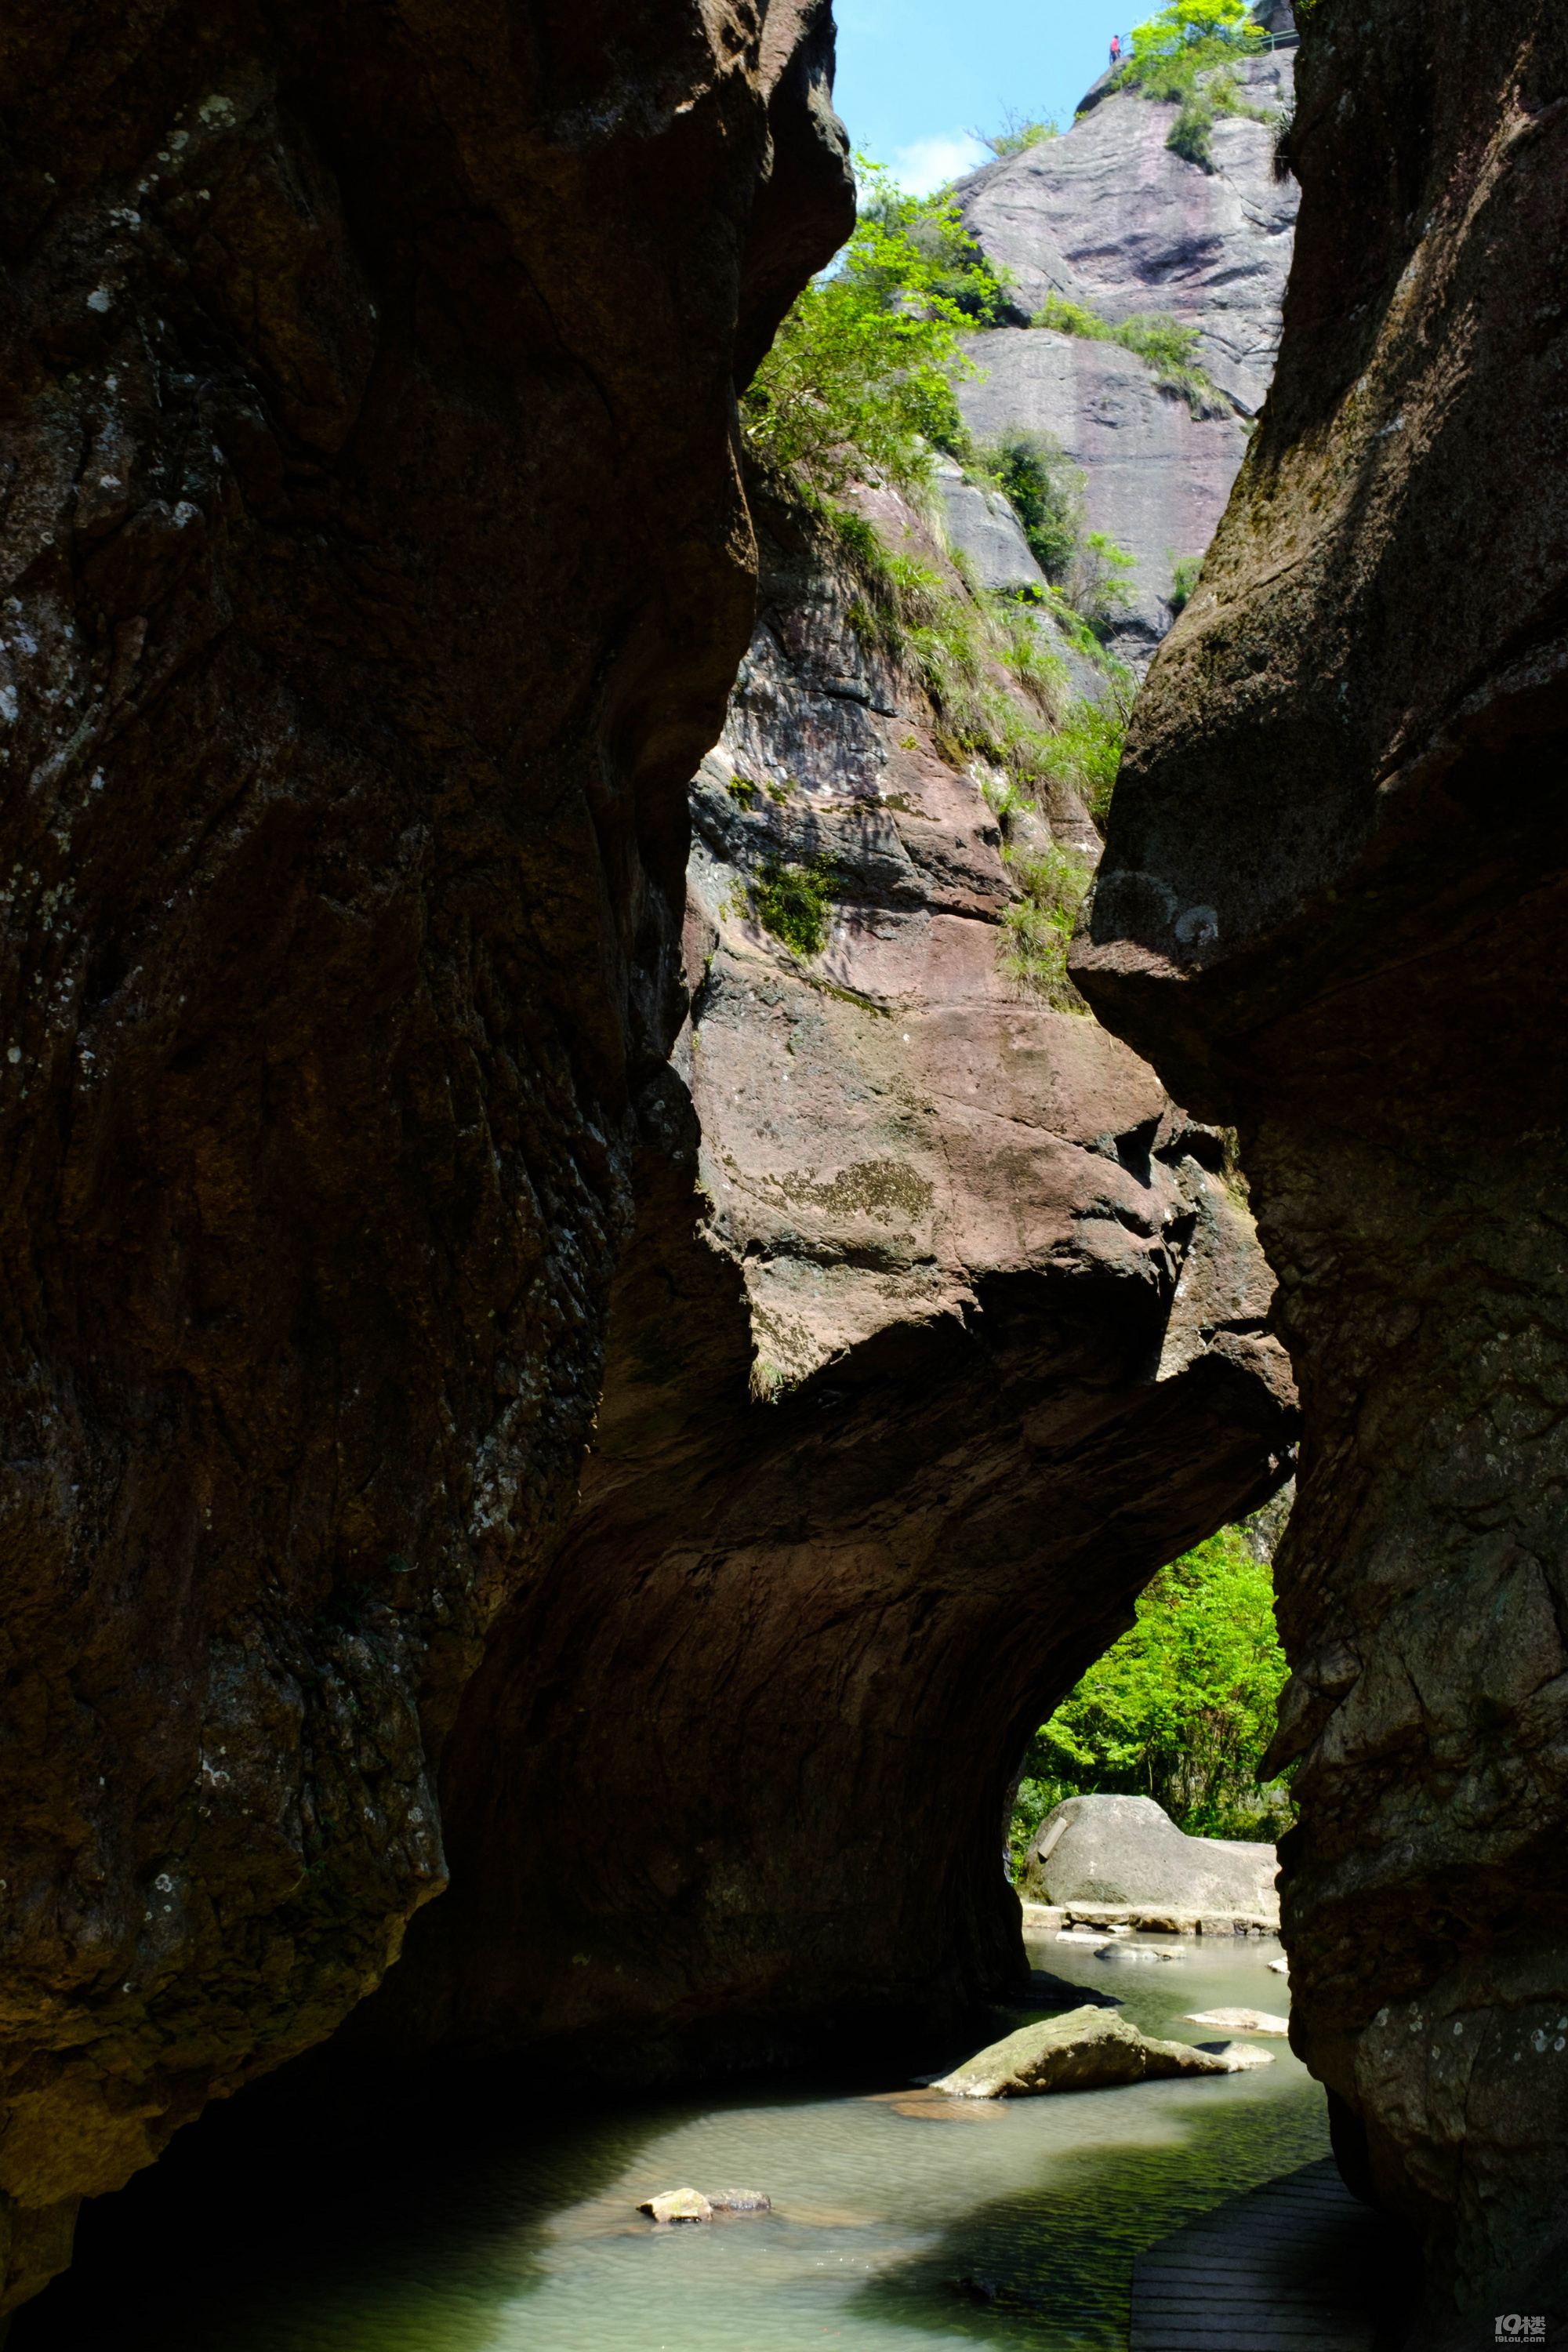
(1116, 49)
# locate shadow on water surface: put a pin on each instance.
(325, 2212)
(1051, 2264)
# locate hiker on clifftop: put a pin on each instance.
(1115, 49)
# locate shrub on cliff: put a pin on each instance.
(1039, 925)
(1182, 57)
(1160, 340)
(1046, 491)
(960, 272)
(860, 380)
(1017, 134)
(1181, 1708)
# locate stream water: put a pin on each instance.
(535, 2246)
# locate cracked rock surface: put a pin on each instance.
(373, 566)
(1332, 909)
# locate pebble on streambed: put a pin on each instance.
(690, 2205)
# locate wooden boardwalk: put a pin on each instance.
(1295, 2267)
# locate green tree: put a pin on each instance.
(1206, 32)
(1017, 133)
(861, 372)
(933, 227)
(1175, 58)
(1181, 1708)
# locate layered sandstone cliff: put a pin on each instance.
(374, 569)
(942, 1328)
(1332, 909)
(1111, 218)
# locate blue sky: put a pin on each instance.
(916, 77)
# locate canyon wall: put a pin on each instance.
(1109, 217)
(942, 1328)
(1332, 909)
(375, 568)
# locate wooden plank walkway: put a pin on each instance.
(1295, 2267)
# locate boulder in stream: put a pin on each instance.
(1128, 1851)
(1086, 2050)
(677, 2205)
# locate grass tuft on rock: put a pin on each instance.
(1165, 346)
(792, 902)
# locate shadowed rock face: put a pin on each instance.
(732, 1777)
(1332, 908)
(375, 568)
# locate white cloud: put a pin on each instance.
(928, 163)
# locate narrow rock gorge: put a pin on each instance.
(1331, 912)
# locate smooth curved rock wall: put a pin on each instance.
(373, 566)
(1332, 908)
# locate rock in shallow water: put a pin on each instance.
(677, 2205)
(1241, 2021)
(1086, 2050)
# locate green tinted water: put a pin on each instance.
(538, 2247)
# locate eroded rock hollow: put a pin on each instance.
(1332, 910)
(375, 568)
(942, 1328)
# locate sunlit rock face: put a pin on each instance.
(374, 569)
(1109, 217)
(941, 1329)
(1332, 909)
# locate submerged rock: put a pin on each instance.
(1241, 2021)
(1127, 1851)
(1086, 2050)
(1240, 2057)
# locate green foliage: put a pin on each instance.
(1160, 340)
(1046, 491)
(1186, 36)
(860, 380)
(1017, 133)
(1000, 695)
(791, 902)
(1182, 56)
(1184, 575)
(1039, 926)
(1098, 585)
(1190, 134)
(930, 227)
(1182, 1707)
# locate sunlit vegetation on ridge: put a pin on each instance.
(1184, 56)
(858, 390)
